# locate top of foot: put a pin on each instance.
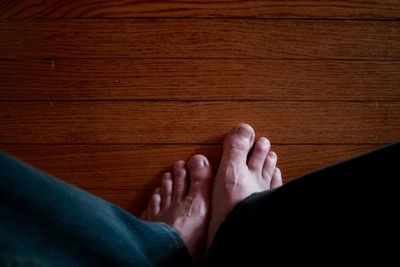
(241, 174)
(183, 202)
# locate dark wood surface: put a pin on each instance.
(127, 174)
(372, 9)
(200, 38)
(106, 95)
(201, 79)
(197, 121)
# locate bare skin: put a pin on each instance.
(188, 209)
(241, 174)
(185, 208)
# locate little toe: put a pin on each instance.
(237, 144)
(180, 180)
(269, 166)
(166, 191)
(143, 216)
(257, 158)
(153, 210)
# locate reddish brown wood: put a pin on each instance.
(197, 122)
(377, 9)
(200, 38)
(205, 79)
(292, 79)
(134, 201)
(127, 174)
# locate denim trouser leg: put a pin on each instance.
(46, 222)
(343, 214)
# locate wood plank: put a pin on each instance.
(379, 9)
(134, 201)
(126, 175)
(197, 122)
(137, 167)
(199, 38)
(201, 79)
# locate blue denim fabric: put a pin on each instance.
(46, 222)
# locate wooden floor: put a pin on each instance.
(107, 95)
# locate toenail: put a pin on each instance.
(244, 132)
(197, 163)
(264, 141)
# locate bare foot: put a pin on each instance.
(185, 209)
(237, 177)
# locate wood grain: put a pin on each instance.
(126, 175)
(376, 9)
(134, 201)
(197, 122)
(199, 38)
(201, 79)
(141, 166)
(107, 95)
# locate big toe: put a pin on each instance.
(238, 143)
(200, 177)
